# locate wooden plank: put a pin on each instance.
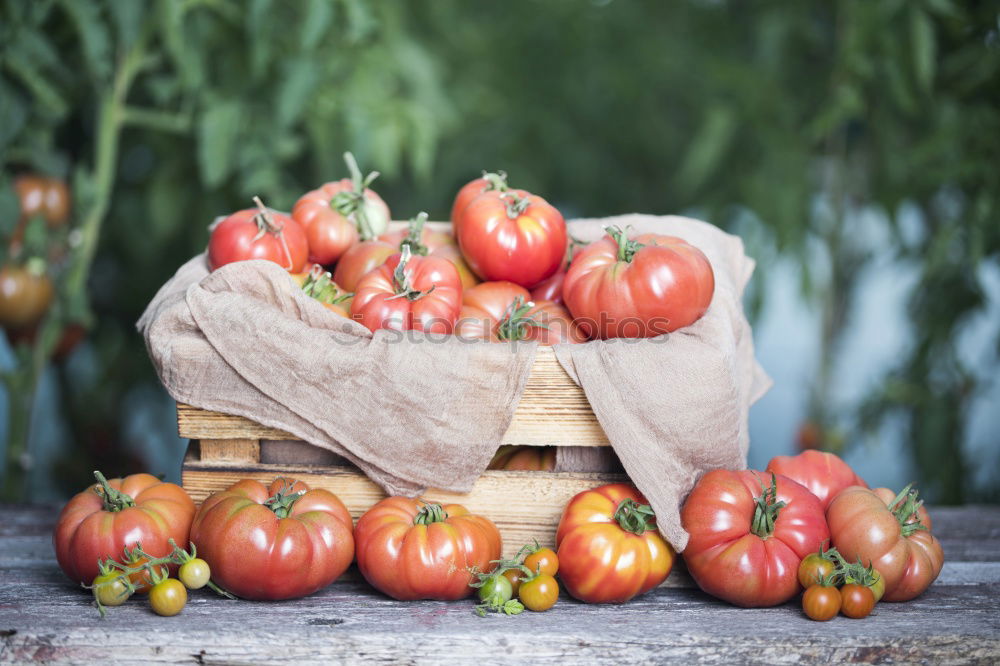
(46, 618)
(524, 505)
(244, 451)
(553, 412)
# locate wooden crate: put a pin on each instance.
(525, 505)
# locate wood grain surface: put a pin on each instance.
(45, 618)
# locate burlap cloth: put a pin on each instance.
(415, 411)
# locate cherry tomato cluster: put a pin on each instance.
(882, 541)
(531, 576)
(509, 271)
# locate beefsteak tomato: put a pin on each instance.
(489, 182)
(824, 474)
(747, 539)
(409, 549)
(513, 235)
(608, 547)
(502, 311)
(280, 541)
(409, 293)
(524, 458)
(112, 515)
(258, 233)
(336, 214)
(638, 288)
(891, 532)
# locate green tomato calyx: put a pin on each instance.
(906, 508)
(114, 500)
(430, 513)
(282, 501)
(414, 234)
(626, 248)
(766, 512)
(634, 517)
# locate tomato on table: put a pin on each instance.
(110, 588)
(816, 567)
(409, 293)
(821, 602)
(608, 547)
(857, 601)
(100, 522)
(410, 549)
(280, 541)
(748, 534)
(823, 473)
(539, 592)
(892, 533)
(258, 233)
(168, 597)
(642, 287)
(337, 214)
(503, 311)
(514, 236)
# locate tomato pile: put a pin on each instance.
(507, 271)
(759, 538)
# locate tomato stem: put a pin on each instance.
(906, 508)
(401, 280)
(626, 248)
(114, 500)
(495, 181)
(766, 512)
(267, 225)
(352, 204)
(634, 517)
(515, 322)
(282, 501)
(430, 513)
(515, 203)
(414, 235)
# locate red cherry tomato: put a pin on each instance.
(408, 292)
(514, 236)
(258, 233)
(539, 593)
(638, 288)
(857, 601)
(821, 602)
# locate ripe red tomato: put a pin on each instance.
(25, 295)
(821, 602)
(514, 236)
(109, 516)
(890, 532)
(359, 260)
(258, 233)
(749, 532)
(608, 547)
(281, 541)
(409, 549)
(542, 560)
(639, 288)
(489, 182)
(857, 601)
(824, 474)
(524, 458)
(502, 311)
(336, 214)
(409, 293)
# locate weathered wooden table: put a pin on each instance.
(43, 617)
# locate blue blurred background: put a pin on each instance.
(852, 145)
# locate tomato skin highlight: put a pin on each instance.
(239, 238)
(255, 554)
(821, 602)
(857, 601)
(724, 555)
(599, 561)
(862, 526)
(666, 285)
(168, 597)
(539, 593)
(86, 532)
(524, 247)
(823, 473)
(410, 561)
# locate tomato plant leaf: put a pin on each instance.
(217, 131)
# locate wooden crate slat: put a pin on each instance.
(524, 505)
(553, 412)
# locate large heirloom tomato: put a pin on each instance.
(502, 311)
(258, 233)
(749, 535)
(280, 541)
(407, 292)
(824, 474)
(368, 255)
(513, 236)
(115, 514)
(890, 532)
(489, 182)
(336, 214)
(608, 547)
(410, 549)
(639, 288)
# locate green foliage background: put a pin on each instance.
(778, 121)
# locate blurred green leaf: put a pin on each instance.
(218, 130)
(95, 41)
(924, 48)
(707, 147)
